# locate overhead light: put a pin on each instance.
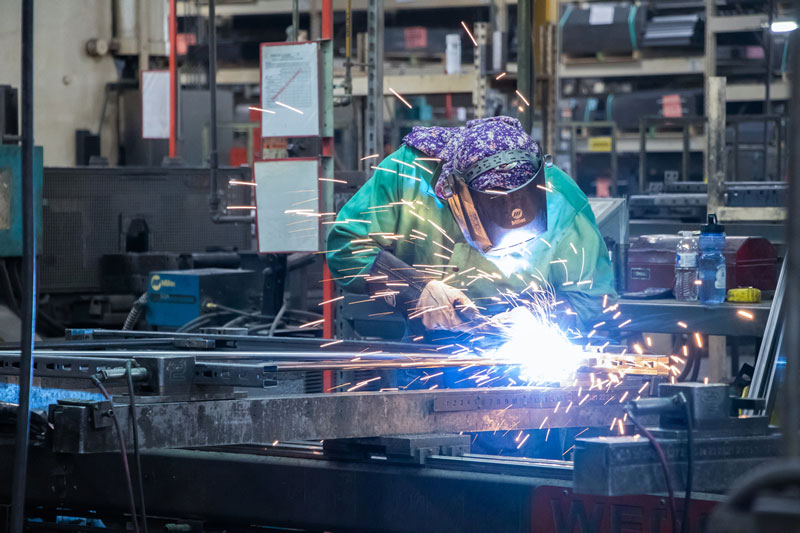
(783, 26)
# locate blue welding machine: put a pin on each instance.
(174, 297)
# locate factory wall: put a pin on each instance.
(69, 83)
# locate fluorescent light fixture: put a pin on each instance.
(783, 26)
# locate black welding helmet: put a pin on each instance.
(495, 221)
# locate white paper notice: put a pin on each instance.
(290, 90)
(155, 104)
(287, 205)
(601, 14)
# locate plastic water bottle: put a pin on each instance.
(711, 263)
(686, 268)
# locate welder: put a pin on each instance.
(459, 224)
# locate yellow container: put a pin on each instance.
(744, 295)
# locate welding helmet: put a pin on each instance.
(496, 221)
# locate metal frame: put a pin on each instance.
(573, 126)
(781, 127)
(684, 122)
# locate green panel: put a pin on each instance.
(11, 198)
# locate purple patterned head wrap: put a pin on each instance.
(459, 148)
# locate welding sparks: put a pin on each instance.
(698, 340)
(523, 98)
(371, 156)
(401, 98)
(501, 76)
(287, 106)
(523, 441)
(464, 25)
(241, 207)
(253, 108)
(338, 341)
(683, 325)
(237, 182)
(362, 383)
(331, 300)
(745, 314)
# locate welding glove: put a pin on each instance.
(445, 307)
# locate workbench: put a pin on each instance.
(718, 321)
(662, 316)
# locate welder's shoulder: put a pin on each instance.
(570, 197)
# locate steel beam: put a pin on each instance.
(336, 416)
(373, 119)
(526, 74)
(715, 154)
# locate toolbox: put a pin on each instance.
(750, 262)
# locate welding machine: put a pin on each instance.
(174, 297)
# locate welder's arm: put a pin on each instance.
(588, 276)
(351, 249)
(431, 303)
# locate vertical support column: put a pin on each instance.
(295, 20)
(327, 151)
(499, 35)
(480, 69)
(790, 417)
(374, 114)
(144, 35)
(315, 24)
(525, 66)
(717, 359)
(28, 318)
(715, 144)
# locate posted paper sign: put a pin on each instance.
(155, 104)
(287, 205)
(601, 14)
(290, 90)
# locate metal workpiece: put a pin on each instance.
(615, 466)
(335, 416)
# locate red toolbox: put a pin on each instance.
(750, 262)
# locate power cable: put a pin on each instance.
(136, 454)
(665, 467)
(689, 462)
(123, 453)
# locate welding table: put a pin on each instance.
(718, 321)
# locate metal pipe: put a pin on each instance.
(768, 84)
(213, 161)
(790, 420)
(173, 79)
(29, 273)
(213, 156)
(526, 74)
(144, 35)
(348, 49)
(295, 20)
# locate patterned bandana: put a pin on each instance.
(459, 148)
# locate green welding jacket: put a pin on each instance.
(397, 210)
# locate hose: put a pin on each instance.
(135, 312)
(278, 317)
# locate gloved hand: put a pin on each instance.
(445, 307)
